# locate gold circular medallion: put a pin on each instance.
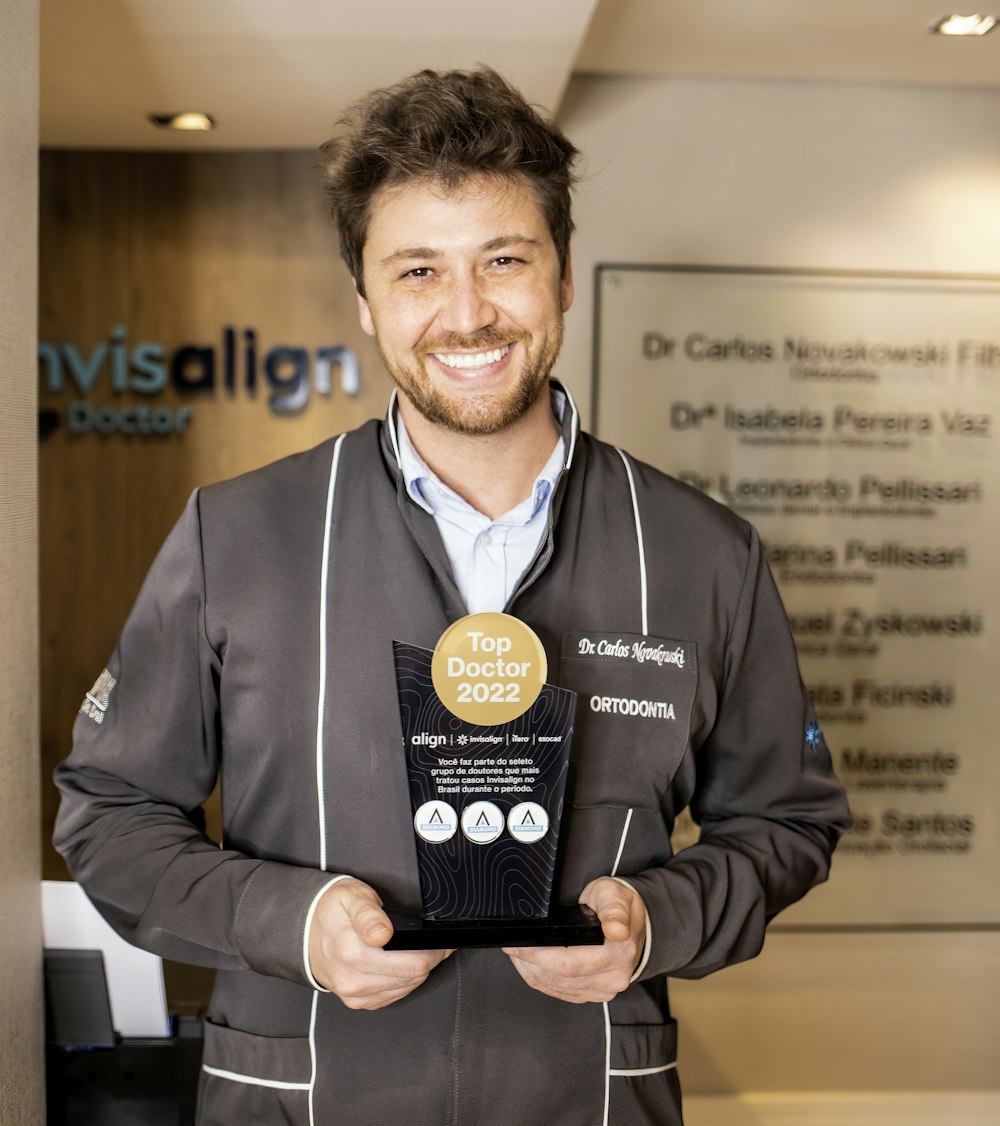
(488, 669)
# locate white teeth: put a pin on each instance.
(473, 360)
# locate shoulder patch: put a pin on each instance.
(95, 703)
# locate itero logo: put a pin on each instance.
(146, 368)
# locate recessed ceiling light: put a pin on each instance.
(186, 122)
(964, 25)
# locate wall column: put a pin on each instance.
(22, 1074)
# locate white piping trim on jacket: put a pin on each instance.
(607, 1011)
(607, 1062)
(574, 427)
(621, 844)
(254, 1081)
(642, 549)
(390, 420)
(321, 702)
(312, 1057)
(643, 1070)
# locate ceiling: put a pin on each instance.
(278, 74)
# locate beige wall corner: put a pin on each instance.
(22, 1098)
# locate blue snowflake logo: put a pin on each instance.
(814, 737)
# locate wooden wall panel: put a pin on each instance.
(171, 248)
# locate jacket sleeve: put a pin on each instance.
(144, 759)
(766, 798)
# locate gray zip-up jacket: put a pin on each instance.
(260, 651)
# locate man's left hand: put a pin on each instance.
(590, 973)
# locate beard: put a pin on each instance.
(487, 411)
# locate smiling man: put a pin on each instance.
(273, 671)
(464, 292)
(469, 324)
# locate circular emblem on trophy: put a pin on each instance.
(482, 822)
(528, 822)
(488, 668)
(435, 822)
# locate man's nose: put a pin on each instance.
(468, 307)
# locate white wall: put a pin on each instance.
(823, 176)
(21, 1050)
(779, 174)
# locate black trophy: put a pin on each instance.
(486, 796)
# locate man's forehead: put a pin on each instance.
(507, 204)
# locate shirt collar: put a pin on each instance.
(427, 490)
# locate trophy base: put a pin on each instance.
(575, 925)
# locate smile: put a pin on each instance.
(472, 359)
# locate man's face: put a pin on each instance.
(464, 298)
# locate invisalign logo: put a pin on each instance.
(235, 363)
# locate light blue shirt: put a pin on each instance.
(487, 556)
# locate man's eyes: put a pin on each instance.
(503, 262)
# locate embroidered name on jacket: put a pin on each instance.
(622, 705)
(634, 690)
(658, 675)
(95, 703)
(638, 651)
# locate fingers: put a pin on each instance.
(590, 973)
(360, 987)
(550, 971)
(348, 931)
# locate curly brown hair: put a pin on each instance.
(444, 126)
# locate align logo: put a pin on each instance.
(290, 373)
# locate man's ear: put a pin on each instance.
(566, 283)
(364, 313)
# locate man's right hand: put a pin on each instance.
(349, 929)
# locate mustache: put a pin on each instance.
(483, 341)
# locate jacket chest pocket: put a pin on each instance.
(635, 696)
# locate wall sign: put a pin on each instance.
(853, 419)
(118, 382)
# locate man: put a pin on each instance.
(260, 646)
